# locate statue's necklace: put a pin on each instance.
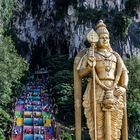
(108, 64)
(107, 60)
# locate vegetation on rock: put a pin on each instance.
(132, 7)
(118, 23)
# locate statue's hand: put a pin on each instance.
(91, 61)
(119, 91)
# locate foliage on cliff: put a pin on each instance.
(132, 7)
(62, 6)
(118, 23)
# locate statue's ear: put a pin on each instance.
(78, 94)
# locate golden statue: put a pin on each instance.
(104, 100)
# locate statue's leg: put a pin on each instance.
(116, 119)
(100, 115)
(100, 122)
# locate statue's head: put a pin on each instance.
(104, 41)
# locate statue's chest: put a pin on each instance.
(105, 62)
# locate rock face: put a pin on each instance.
(52, 27)
(112, 4)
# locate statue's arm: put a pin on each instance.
(84, 72)
(123, 82)
(84, 68)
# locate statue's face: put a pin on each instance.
(103, 41)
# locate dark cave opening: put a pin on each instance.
(40, 54)
(36, 58)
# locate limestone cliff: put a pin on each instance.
(57, 27)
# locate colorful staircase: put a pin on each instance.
(34, 115)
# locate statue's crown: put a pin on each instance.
(101, 28)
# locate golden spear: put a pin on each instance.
(93, 38)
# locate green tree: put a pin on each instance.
(133, 98)
(12, 68)
(7, 9)
(61, 85)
